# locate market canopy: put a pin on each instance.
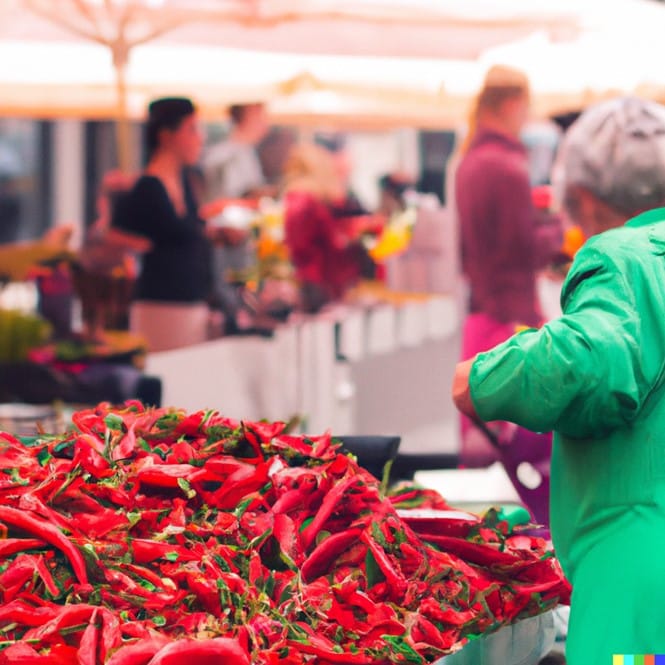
(365, 61)
(394, 28)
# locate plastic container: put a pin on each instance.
(523, 643)
(29, 419)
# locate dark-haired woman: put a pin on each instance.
(173, 287)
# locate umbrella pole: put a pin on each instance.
(123, 129)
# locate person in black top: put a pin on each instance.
(176, 276)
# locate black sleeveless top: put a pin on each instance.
(178, 267)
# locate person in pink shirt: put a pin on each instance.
(504, 242)
(323, 225)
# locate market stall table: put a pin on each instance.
(343, 369)
(224, 531)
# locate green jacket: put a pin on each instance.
(596, 376)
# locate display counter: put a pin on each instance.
(362, 369)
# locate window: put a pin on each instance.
(24, 178)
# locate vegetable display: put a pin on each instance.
(19, 333)
(150, 537)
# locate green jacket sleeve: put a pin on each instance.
(579, 374)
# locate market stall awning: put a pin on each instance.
(64, 60)
(393, 28)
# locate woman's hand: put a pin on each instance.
(227, 236)
(211, 210)
(131, 242)
(461, 391)
(58, 236)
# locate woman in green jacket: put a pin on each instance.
(596, 377)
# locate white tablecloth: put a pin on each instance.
(384, 369)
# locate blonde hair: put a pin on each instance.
(311, 168)
(501, 83)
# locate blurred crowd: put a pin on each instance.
(173, 258)
(173, 252)
(177, 256)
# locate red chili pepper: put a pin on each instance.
(68, 616)
(19, 653)
(324, 555)
(225, 465)
(204, 562)
(381, 627)
(446, 615)
(239, 484)
(218, 651)
(45, 575)
(126, 447)
(288, 538)
(136, 631)
(191, 425)
(18, 611)
(90, 459)
(90, 440)
(292, 446)
(481, 555)
(255, 568)
(426, 633)
(87, 651)
(90, 420)
(76, 498)
(49, 533)
(101, 524)
(31, 502)
(118, 496)
(18, 574)
(151, 600)
(413, 560)
(111, 637)
(145, 574)
(345, 616)
(165, 475)
(139, 653)
(10, 546)
(181, 453)
(255, 524)
(290, 500)
(316, 645)
(265, 431)
(329, 505)
(144, 551)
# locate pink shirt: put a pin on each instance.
(505, 240)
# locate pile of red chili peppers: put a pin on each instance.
(151, 537)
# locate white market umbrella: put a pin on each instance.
(620, 51)
(187, 47)
(396, 28)
(454, 29)
(117, 25)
